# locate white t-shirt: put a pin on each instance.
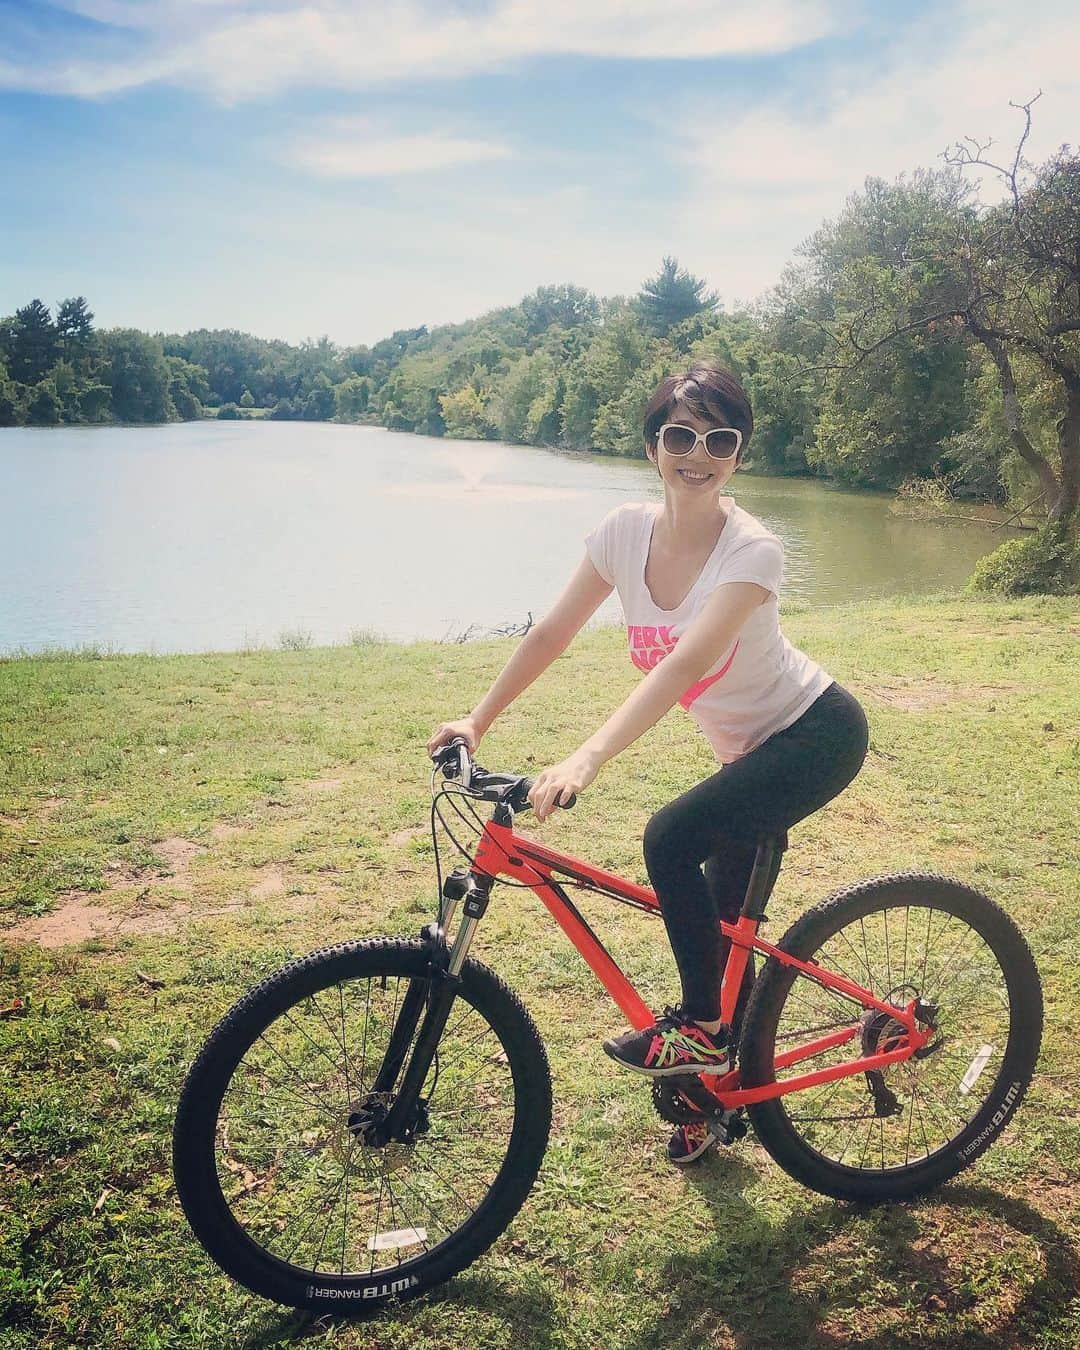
(762, 683)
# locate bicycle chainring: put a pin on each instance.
(671, 1105)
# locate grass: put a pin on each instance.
(191, 822)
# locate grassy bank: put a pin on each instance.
(173, 827)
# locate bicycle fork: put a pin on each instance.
(437, 990)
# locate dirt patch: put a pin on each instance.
(74, 920)
(270, 883)
(178, 853)
(122, 873)
(224, 831)
(326, 784)
(81, 916)
(401, 837)
(11, 822)
(913, 695)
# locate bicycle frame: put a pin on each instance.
(502, 851)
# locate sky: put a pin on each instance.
(295, 168)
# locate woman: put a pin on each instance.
(699, 580)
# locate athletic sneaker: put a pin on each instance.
(690, 1142)
(674, 1045)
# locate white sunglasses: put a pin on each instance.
(719, 443)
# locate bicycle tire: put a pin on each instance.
(771, 1119)
(196, 1145)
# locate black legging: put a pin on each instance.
(718, 823)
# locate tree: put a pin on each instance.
(246, 400)
(43, 408)
(599, 377)
(526, 406)
(672, 296)
(1017, 292)
(74, 323)
(351, 398)
(31, 344)
(319, 404)
(1007, 278)
(9, 399)
(188, 388)
(465, 415)
(139, 376)
(562, 306)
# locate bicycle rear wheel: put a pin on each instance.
(271, 1149)
(918, 1122)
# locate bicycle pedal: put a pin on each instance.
(728, 1127)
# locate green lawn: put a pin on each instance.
(197, 820)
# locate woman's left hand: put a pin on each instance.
(556, 784)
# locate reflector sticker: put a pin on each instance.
(396, 1238)
(975, 1068)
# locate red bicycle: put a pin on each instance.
(368, 1120)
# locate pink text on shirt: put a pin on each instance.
(650, 643)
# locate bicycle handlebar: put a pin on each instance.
(457, 763)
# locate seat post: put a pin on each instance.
(767, 860)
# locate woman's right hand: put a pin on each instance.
(445, 732)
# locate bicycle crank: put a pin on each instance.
(682, 1101)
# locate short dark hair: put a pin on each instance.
(707, 390)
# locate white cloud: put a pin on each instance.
(757, 183)
(242, 50)
(357, 148)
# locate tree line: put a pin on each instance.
(918, 336)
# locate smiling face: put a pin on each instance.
(695, 474)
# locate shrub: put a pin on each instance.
(1047, 563)
(294, 640)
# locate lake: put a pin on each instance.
(216, 535)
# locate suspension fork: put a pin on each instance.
(438, 990)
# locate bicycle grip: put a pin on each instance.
(527, 786)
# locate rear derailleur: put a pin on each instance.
(882, 1033)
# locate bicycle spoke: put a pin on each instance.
(307, 1186)
(935, 955)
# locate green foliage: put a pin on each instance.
(1046, 563)
(229, 412)
(74, 326)
(43, 407)
(319, 404)
(138, 375)
(465, 414)
(351, 398)
(526, 406)
(672, 296)
(9, 400)
(559, 307)
(598, 377)
(29, 343)
(188, 388)
(246, 400)
(284, 411)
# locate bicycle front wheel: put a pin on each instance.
(273, 1153)
(898, 1132)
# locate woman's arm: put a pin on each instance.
(541, 645)
(700, 647)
